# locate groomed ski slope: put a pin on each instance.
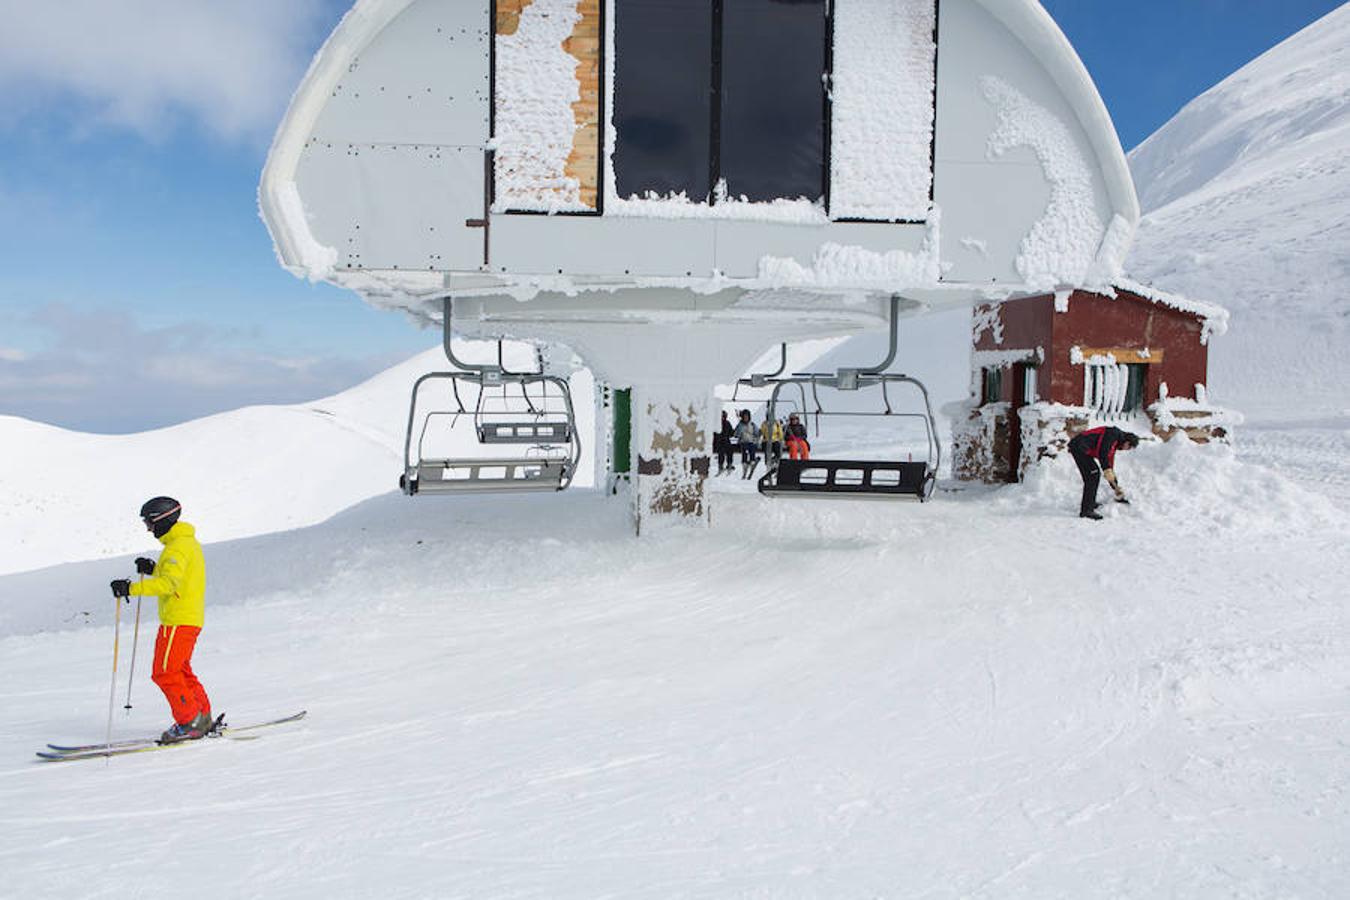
(510, 697)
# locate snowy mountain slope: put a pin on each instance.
(1247, 200)
(68, 496)
(978, 697)
(243, 472)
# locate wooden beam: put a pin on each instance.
(1125, 356)
(585, 46)
(508, 15)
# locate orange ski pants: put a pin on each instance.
(172, 671)
(798, 449)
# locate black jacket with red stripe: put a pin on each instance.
(1100, 443)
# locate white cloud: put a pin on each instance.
(12, 354)
(101, 371)
(144, 64)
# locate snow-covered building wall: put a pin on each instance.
(1044, 368)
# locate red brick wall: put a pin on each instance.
(1127, 322)
(1132, 323)
(1027, 324)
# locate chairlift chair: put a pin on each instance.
(529, 411)
(856, 478)
(853, 478)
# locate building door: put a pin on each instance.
(623, 431)
(1023, 392)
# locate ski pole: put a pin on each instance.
(135, 639)
(112, 691)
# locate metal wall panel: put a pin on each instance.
(990, 204)
(741, 245)
(391, 206)
(424, 79)
(602, 246)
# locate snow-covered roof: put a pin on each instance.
(1215, 317)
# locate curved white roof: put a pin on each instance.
(369, 184)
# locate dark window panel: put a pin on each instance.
(1134, 389)
(773, 98)
(662, 97)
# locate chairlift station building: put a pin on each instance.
(669, 188)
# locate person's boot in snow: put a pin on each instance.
(188, 731)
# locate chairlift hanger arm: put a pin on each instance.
(879, 368)
(890, 353)
(482, 370)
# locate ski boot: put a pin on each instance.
(188, 731)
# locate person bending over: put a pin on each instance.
(1095, 453)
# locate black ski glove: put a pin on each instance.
(121, 587)
(1121, 498)
(145, 566)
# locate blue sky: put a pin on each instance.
(138, 287)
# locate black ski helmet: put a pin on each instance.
(160, 513)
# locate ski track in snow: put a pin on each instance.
(511, 697)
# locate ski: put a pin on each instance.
(103, 753)
(118, 748)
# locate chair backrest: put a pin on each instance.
(528, 432)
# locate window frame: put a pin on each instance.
(992, 378)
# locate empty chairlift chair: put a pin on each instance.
(528, 413)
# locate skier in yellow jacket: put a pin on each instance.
(179, 581)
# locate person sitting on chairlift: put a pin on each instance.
(1094, 451)
(746, 438)
(771, 439)
(798, 446)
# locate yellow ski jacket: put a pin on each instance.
(179, 579)
(771, 431)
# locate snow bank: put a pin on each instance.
(1180, 482)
